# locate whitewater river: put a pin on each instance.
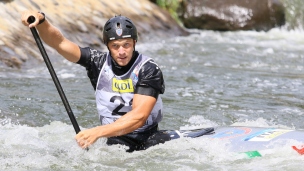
(212, 79)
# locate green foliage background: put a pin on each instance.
(172, 6)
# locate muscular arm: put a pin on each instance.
(53, 37)
(142, 106)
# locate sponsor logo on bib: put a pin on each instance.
(122, 86)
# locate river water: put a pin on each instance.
(212, 79)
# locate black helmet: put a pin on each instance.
(119, 27)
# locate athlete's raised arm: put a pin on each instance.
(52, 35)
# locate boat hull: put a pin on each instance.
(248, 139)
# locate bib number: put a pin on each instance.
(120, 106)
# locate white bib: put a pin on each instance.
(114, 94)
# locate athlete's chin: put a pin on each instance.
(122, 63)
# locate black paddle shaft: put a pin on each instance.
(48, 63)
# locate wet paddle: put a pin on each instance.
(48, 63)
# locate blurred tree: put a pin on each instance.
(172, 6)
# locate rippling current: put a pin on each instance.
(212, 79)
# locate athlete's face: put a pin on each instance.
(121, 50)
